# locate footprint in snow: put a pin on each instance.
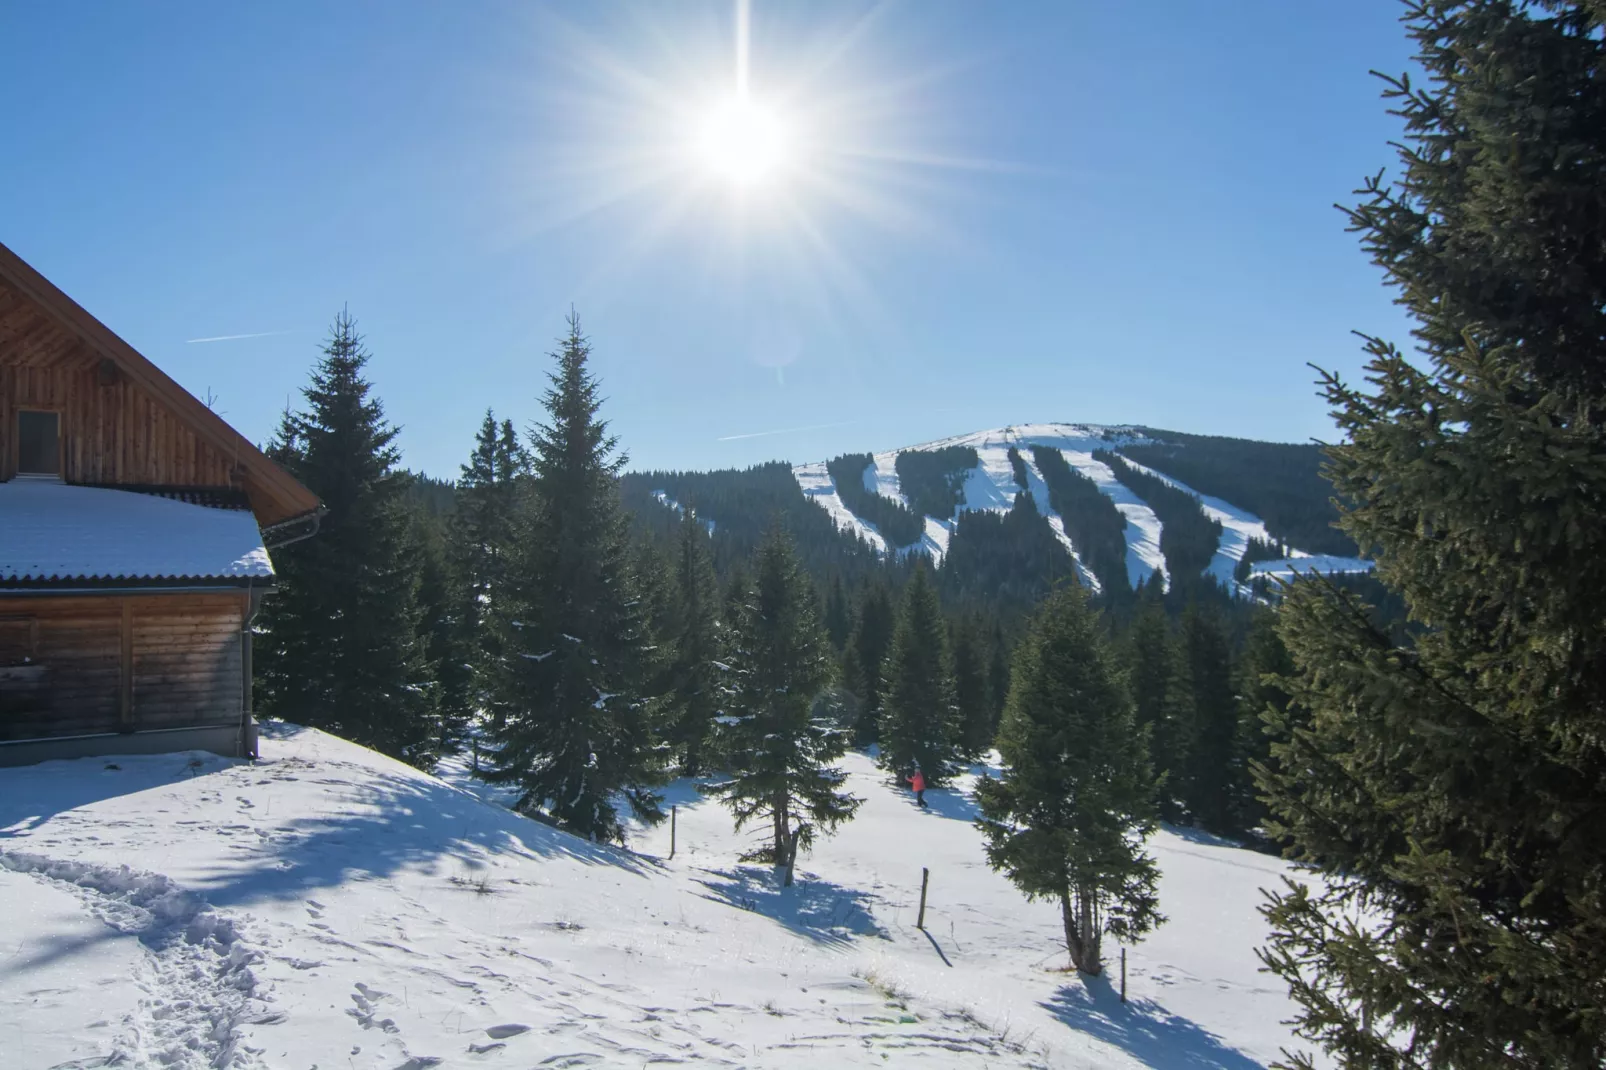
(502, 1032)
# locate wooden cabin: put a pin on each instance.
(135, 529)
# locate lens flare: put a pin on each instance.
(742, 142)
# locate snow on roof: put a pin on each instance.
(55, 531)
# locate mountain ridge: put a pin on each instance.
(1242, 513)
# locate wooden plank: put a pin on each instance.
(125, 703)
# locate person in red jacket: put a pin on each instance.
(917, 781)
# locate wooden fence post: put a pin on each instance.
(674, 812)
(1123, 975)
(925, 877)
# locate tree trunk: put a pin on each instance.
(791, 856)
(1092, 936)
(783, 827)
(1073, 932)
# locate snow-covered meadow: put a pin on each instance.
(327, 907)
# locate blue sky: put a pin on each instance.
(990, 214)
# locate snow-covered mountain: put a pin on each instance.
(326, 906)
(993, 483)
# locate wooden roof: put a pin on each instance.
(42, 327)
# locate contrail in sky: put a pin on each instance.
(785, 431)
(235, 337)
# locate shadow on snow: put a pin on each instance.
(824, 912)
(373, 822)
(1143, 1029)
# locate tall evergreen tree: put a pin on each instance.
(481, 531)
(1450, 783)
(867, 649)
(1214, 774)
(1263, 670)
(972, 689)
(577, 725)
(443, 625)
(778, 754)
(998, 672)
(1076, 802)
(1161, 697)
(692, 697)
(339, 644)
(838, 617)
(919, 718)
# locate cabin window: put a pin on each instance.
(38, 444)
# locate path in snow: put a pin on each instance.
(69, 989)
(396, 921)
(195, 970)
(328, 906)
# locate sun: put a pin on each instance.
(742, 142)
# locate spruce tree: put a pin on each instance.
(1161, 697)
(838, 618)
(777, 753)
(1450, 783)
(481, 533)
(1069, 817)
(919, 716)
(1214, 774)
(866, 650)
(444, 626)
(998, 672)
(692, 696)
(338, 644)
(972, 689)
(577, 724)
(1263, 668)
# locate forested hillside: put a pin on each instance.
(1280, 482)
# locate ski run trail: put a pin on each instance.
(327, 907)
(991, 486)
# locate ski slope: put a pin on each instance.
(326, 906)
(662, 498)
(1238, 526)
(991, 486)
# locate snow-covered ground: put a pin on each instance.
(820, 488)
(327, 907)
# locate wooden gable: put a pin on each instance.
(122, 420)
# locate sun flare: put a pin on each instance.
(742, 142)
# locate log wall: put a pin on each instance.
(111, 431)
(78, 665)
